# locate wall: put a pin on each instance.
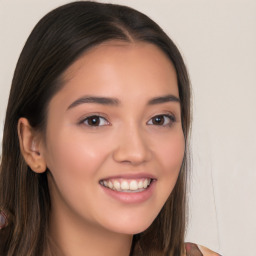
(217, 39)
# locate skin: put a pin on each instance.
(207, 252)
(126, 141)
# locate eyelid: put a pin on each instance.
(171, 117)
(91, 115)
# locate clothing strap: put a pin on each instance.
(192, 250)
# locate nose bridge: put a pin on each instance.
(132, 145)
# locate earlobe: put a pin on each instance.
(30, 146)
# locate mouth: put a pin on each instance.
(127, 185)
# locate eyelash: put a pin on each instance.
(99, 119)
(171, 120)
(96, 118)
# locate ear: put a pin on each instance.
(31, 146)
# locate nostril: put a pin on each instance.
(131, 153)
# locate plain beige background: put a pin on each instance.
(218, 41)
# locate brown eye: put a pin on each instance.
(161, 120)
(158, 120)
(95, 121)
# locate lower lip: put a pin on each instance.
(132, 197)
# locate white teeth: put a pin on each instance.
(140, 184)
(124, 185)
(127, 185)
(117, 185)
(110, 185)
(133, 185)
(145, 183)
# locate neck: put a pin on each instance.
(71, 237)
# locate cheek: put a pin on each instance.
(72, 154)
(75, 161)
(171, 153)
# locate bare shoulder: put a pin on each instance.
(207, 252)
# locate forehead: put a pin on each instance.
(126, 71)
(118, 57)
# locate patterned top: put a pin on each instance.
(193, 250)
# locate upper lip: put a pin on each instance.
(131, 176)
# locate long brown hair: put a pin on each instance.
(59, 39)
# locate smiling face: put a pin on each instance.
(114, 141)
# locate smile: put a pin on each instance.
(127, 185)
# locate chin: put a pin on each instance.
(132, 226)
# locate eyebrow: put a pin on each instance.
(97, 100)
(164, 99)
(116, 102)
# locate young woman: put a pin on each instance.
(94, 157)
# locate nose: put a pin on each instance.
(133, 147)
